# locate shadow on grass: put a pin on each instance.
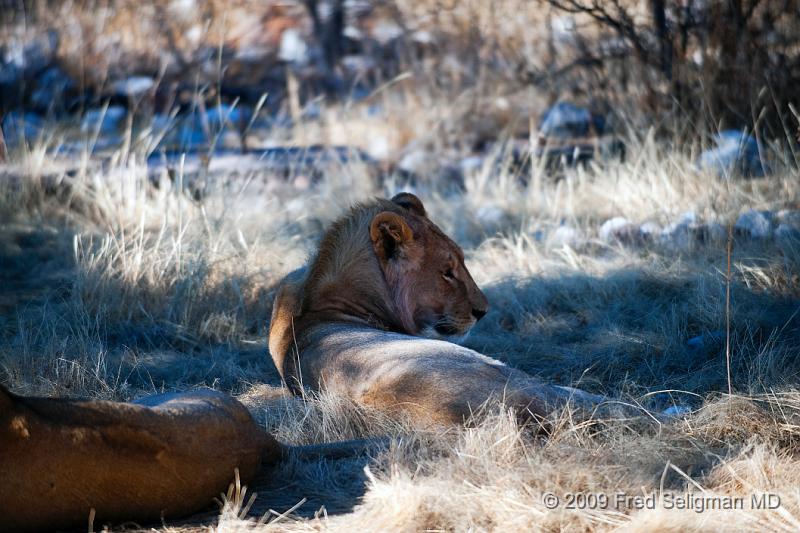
(631, 327)
(56, 340)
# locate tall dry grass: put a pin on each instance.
(119, 289)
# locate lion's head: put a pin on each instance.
(424, 270)
(384, 264)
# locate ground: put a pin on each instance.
(113, 289)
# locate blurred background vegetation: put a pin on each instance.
(685, 68)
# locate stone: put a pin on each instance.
(34, 56)
(564, 235)
(51, 86)
(754, 224)
(790, 217)
(687, 217)
(676, 235)
(715, 232)
(20, 128)
(385, 31)
(133, 86)
(293, 49)
(566, 120)
(417, 161)
(676, 411)
(620, 229)
(194, 131)
(105, 120)
(300, 166)
(736, 153)
(650, 230)
(786, 232)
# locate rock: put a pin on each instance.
(20, 128)
(688, 232)
(573, 135)
(419, 167)
(293, 49)
(650, 230)
(565, 120)
(676, 411)
(754, 224)
(620, 229)
(736, 153)
(105, 120)
(564, 235)
(785, 232)
(676, 235)
(715, 232)
(688, 217)
(50, 88)
(790, 217)
(133, 86)
(685, 235)
(385, 31)
(21, 64)
(301, 167)
(34, 56)
(197, 130)
(227, 114)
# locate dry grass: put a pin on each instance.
(116, 289)
(133, 290)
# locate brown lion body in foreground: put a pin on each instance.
(166, 456)
(67, 464)
(352, 322)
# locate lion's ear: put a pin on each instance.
(410, 202)
(388, 232)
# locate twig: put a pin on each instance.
(728, 310)
(2, 141)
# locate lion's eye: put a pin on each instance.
(448, 274)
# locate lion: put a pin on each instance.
(165, 456)
(375, 317)
(68, 464)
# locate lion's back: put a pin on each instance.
(441, 380)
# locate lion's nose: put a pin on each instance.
(478, 313)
